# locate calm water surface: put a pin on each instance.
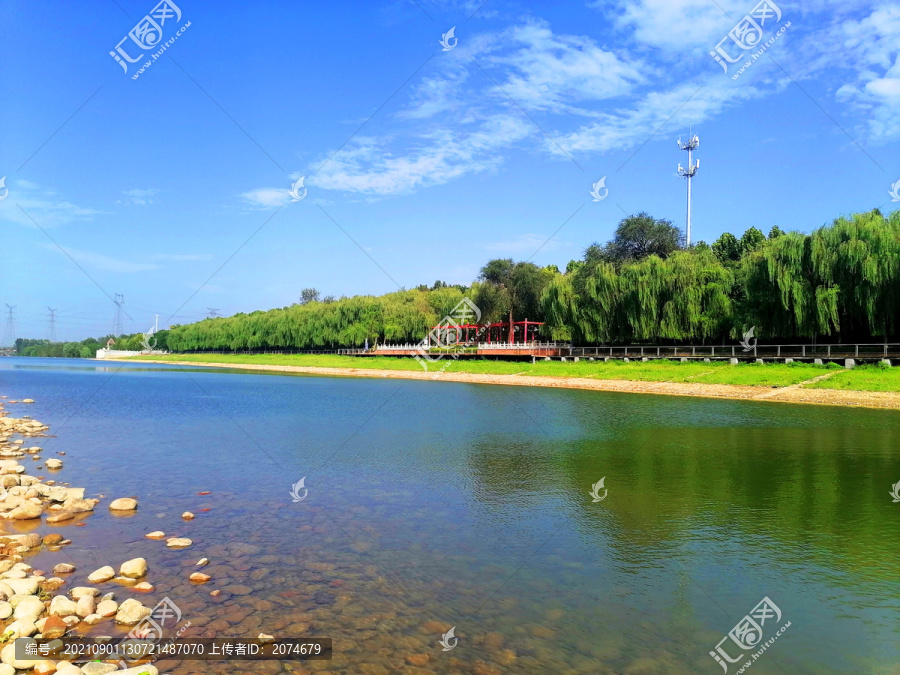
(433, 505)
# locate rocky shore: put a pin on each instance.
(41, 604)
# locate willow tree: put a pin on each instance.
(857, 266)
(780, 290)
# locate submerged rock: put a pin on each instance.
(134, 569)
(101, 575)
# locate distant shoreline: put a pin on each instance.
(789, 394)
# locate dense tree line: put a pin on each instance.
(841, 282)
(86, 349)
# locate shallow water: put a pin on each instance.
(433, 505)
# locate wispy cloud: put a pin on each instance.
(102, 262)
(45, 205)
(267, 197)
(138, 197)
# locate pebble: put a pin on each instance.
(187, 515)
(202, 562)
(200, 578)
(101, 575)
(134, 569)
(131, 612)
(64, 568)
(144, 587)
(123, 504)
(156, 535)
(178, 542)
(53, 463)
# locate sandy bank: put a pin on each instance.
(791, 394)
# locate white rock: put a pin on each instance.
(131, 612)
(30, 608)
(85, 606)
(62, 606)
(8, 656)
(134, 569)
(101, 575)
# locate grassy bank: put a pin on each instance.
(863, 378)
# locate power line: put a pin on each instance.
(692, 144)
(51, 329)
(9, 334)
(117, 322)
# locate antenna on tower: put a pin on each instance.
(692, 144)
(9, 334)
(51, 328)
(212, 312)
(117, 321)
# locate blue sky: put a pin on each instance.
(419, 163)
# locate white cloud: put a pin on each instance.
(44, 206)
(548, 71)
(676, 24)
(267, 197)
(138, 197)
(102, 262)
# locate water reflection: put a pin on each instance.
(440, 504)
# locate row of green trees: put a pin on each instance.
(840, 282)
(86, 349)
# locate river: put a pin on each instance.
(428, 505)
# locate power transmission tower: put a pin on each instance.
(212, 313)
(692, 144)
(9, 334)
(117, 321)
(51, 328)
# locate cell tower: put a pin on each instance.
(212, 312)
(9, 334)
(692, 144)
(51, 327)
(117, 321)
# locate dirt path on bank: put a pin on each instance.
(791, 394)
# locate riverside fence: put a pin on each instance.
(849, 354)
